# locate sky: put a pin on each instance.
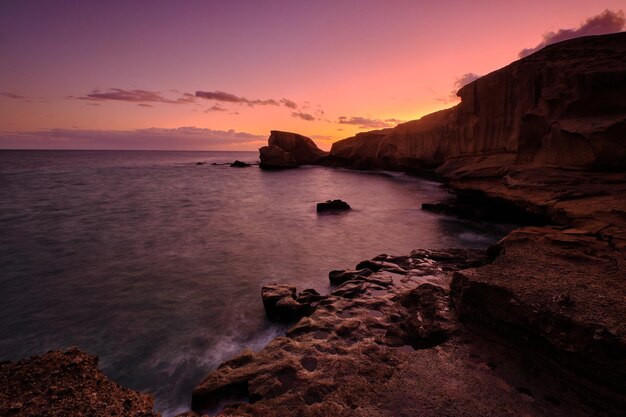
(219, 75)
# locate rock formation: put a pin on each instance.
(332, 206)
(533, 326)
(63, 384)
(289, 150)
(387, 344)
(564, 106)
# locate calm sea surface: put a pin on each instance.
(155, 264)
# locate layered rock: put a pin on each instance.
(289, 150)
(387, 344)
(564, 106)
(66, 383)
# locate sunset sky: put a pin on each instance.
(222, 74)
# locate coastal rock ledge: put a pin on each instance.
(387, 344)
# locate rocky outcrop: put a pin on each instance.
(564, 106)
(289, 150)
(63, 384)
(282, 303)
(387, 344)
(239, 164)
(332, 206)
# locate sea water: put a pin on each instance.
(155, 263)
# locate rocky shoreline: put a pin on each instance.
(532, 326)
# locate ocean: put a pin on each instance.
(155, 263)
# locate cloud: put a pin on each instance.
(215, 107)
(134, 96)
(27, 99)
(145, 105)
(232, 98)
(606, 22)
(459, 82)
(13, 96)
(288, 103)
(464, 80)
(304, 116)
(364, 122)
(182, 138)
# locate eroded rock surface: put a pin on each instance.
(66, 383)
(388, 344)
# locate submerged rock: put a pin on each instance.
(332, 205)
(239, 164)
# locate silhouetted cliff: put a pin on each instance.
(564, 106)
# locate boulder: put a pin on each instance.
(332, 205)
(282, 303)
(273, 157)
(289, 150)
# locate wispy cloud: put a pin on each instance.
(304, 116)
(232, 98)
(288, 103)
(606, 22)
(134, 96)
(13, 96)
(368, 123)
(215, 108)
(153, 138)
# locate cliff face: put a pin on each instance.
(563, 106)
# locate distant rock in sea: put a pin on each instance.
(289, 150)
(332, 205)
(239, 164)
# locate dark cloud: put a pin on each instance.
(134, 96)
(606, 22)
(364, 122)
(145, 105)
(395, 121)
(232, 98)
(154, 138)
(215, 107)
(288, 103)
(13, 96)
(304, 116)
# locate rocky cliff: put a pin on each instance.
(563, 106)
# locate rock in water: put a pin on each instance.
(289, 150)
(332, 205)
(273, 157)
(239, 164)
(281, 303)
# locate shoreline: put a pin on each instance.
(550, 325)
